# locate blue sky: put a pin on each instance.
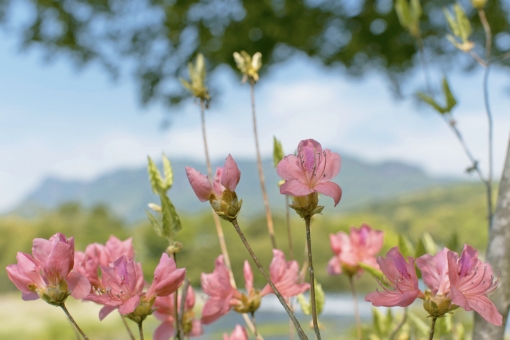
(57, 121)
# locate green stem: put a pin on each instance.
(140, 329)
(312, 279)
(63, 306)
(127, 327)
(269, 218)
(356, 310)
(178, 333)
(432, 326)
(300, 331)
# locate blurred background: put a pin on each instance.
(89, 89)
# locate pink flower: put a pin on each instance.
(311, 171)
(471, 281)
(401, 277)
(360, 246)
(220, 291)
(47, 273)
(434, 270)
(122, 286)
(95, 255)
(226, 178)
(165, 312)
(239, 333)
(285, 276)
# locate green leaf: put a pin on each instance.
(155, 224)
(186, 85)
(405, 246)
(463, 23)
(169, 174)
(416, 11)
(320, 298)
(306, 308)
(450, 99)
(155, 177)
(451, 22)
(376, 273)
(403, 13)
(429, 100)
(277, 151)
(171, 223)
(200, 66)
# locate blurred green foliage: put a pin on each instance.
(440, 212)
(158, 37)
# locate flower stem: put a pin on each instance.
(254, 324)
(312, 279)
(289, 232)
(300, 331)
(269, 218)
(432, 326)
(63, 306)
(488, 44)
(217, 223)
(140, 329)
(356, 310)
(178, 333)
(127, 327)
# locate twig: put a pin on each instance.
(63, 306)
(432, 326)
(312, 279)
(300, 331)
(269, 218)
(488, 44)
(478, 59)
(356, 310)
(140, 329)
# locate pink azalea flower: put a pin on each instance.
(471, 281)
(47, 273)
(360, 246)
(311, 171)
(122, 286)
(401, 276)
(165, 312)
(226, 178)
(239, 333)
(95, 255)
(285, 276)
(434, 270)
(220, 291)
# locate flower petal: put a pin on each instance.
(200, 184)
(231, 174)
(130, 305)
(164, 331)
(330, 189)
(295, 188)
(78, 285)
(103, 313)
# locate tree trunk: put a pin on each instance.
(498, 255)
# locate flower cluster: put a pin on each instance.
(453, 282)
(360, 246)
(48, 273)
(223, 296)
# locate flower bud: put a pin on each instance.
(227, 206)
(437, 305)
(248, 304)
(174, 248)
(306, 206)
(141, 311)
(478, 4)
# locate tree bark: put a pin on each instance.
(498, 255)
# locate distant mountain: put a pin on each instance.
(127, 192)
